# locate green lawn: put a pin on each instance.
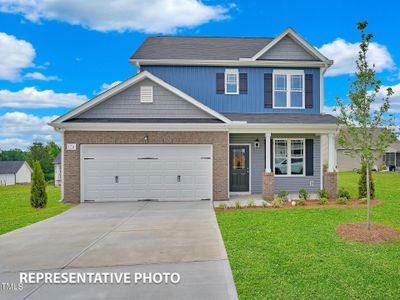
(296, 254)
(15, 209)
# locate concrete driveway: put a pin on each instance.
(143, 237)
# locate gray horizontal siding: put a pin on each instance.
(287, 49)
(311, 183)
(127, 105)
(289, 184)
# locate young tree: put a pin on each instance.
(367, 127)
(38, 188)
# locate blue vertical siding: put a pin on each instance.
(199, 82)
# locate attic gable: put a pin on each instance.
(168, 91)
(289, 45)
(287, 49)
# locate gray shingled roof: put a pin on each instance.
(10, 167)
(57, 160)
(205, 48)
(282, 118)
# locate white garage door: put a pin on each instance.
(142, 172)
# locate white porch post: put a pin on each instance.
(268, 152)
(331, 152)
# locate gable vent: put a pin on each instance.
(146, 94)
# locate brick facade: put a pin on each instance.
(268, 186)
(219, 140)
(330, 184)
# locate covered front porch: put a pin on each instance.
(263, 163)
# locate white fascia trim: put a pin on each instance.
(301, 41)
(231, 127)
(231, 63)
(128, 83)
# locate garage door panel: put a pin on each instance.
(146, 172)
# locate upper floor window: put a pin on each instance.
(231, 81)
(288, 89)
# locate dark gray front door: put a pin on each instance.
(239, 168)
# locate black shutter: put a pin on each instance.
(220, 83)
(309, 90)
(243, 83)
(309, 157)
(268, 90)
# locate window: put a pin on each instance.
(231, 81)
(289, 157)
(146, 94)
(239, 159)
(288, 89)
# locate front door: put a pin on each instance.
(239, 168)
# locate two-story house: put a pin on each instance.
(204, 118)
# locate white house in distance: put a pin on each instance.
(57, 170)
(15, 172)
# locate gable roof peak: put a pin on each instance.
(289, 31)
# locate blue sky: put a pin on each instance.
(57, 54)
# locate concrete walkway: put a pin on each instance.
(181, 237)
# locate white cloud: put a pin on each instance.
(15, 55)
(40, 76)
(394, 101)
(30, 97)
(19, 130)
(106, 86)
(151, 16)
(345, 54)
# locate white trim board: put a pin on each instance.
(130, 82)
(242, 62)
(232, 127)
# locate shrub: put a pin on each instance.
(283, 194)
(323, 201)
(323, 193)
(301, 201)
(223, 206)
(278, 202)
(237, 204)
(342, 200)
(363, 200)
(251, 204)
(303, 194)
(343, 193)
(38, 188)
(362, 182)
(264, 204)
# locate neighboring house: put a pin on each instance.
(57, 170)
(15, 172)
(348, 162)
(205, 118)
(392, 157)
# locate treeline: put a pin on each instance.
(43, 153)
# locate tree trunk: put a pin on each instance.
(368, 196)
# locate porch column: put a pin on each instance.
(268, 152)
(331, 152)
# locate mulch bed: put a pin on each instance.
(359, 233)
(309, 204)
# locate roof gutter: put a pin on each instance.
(240, 62)
(235, 127)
